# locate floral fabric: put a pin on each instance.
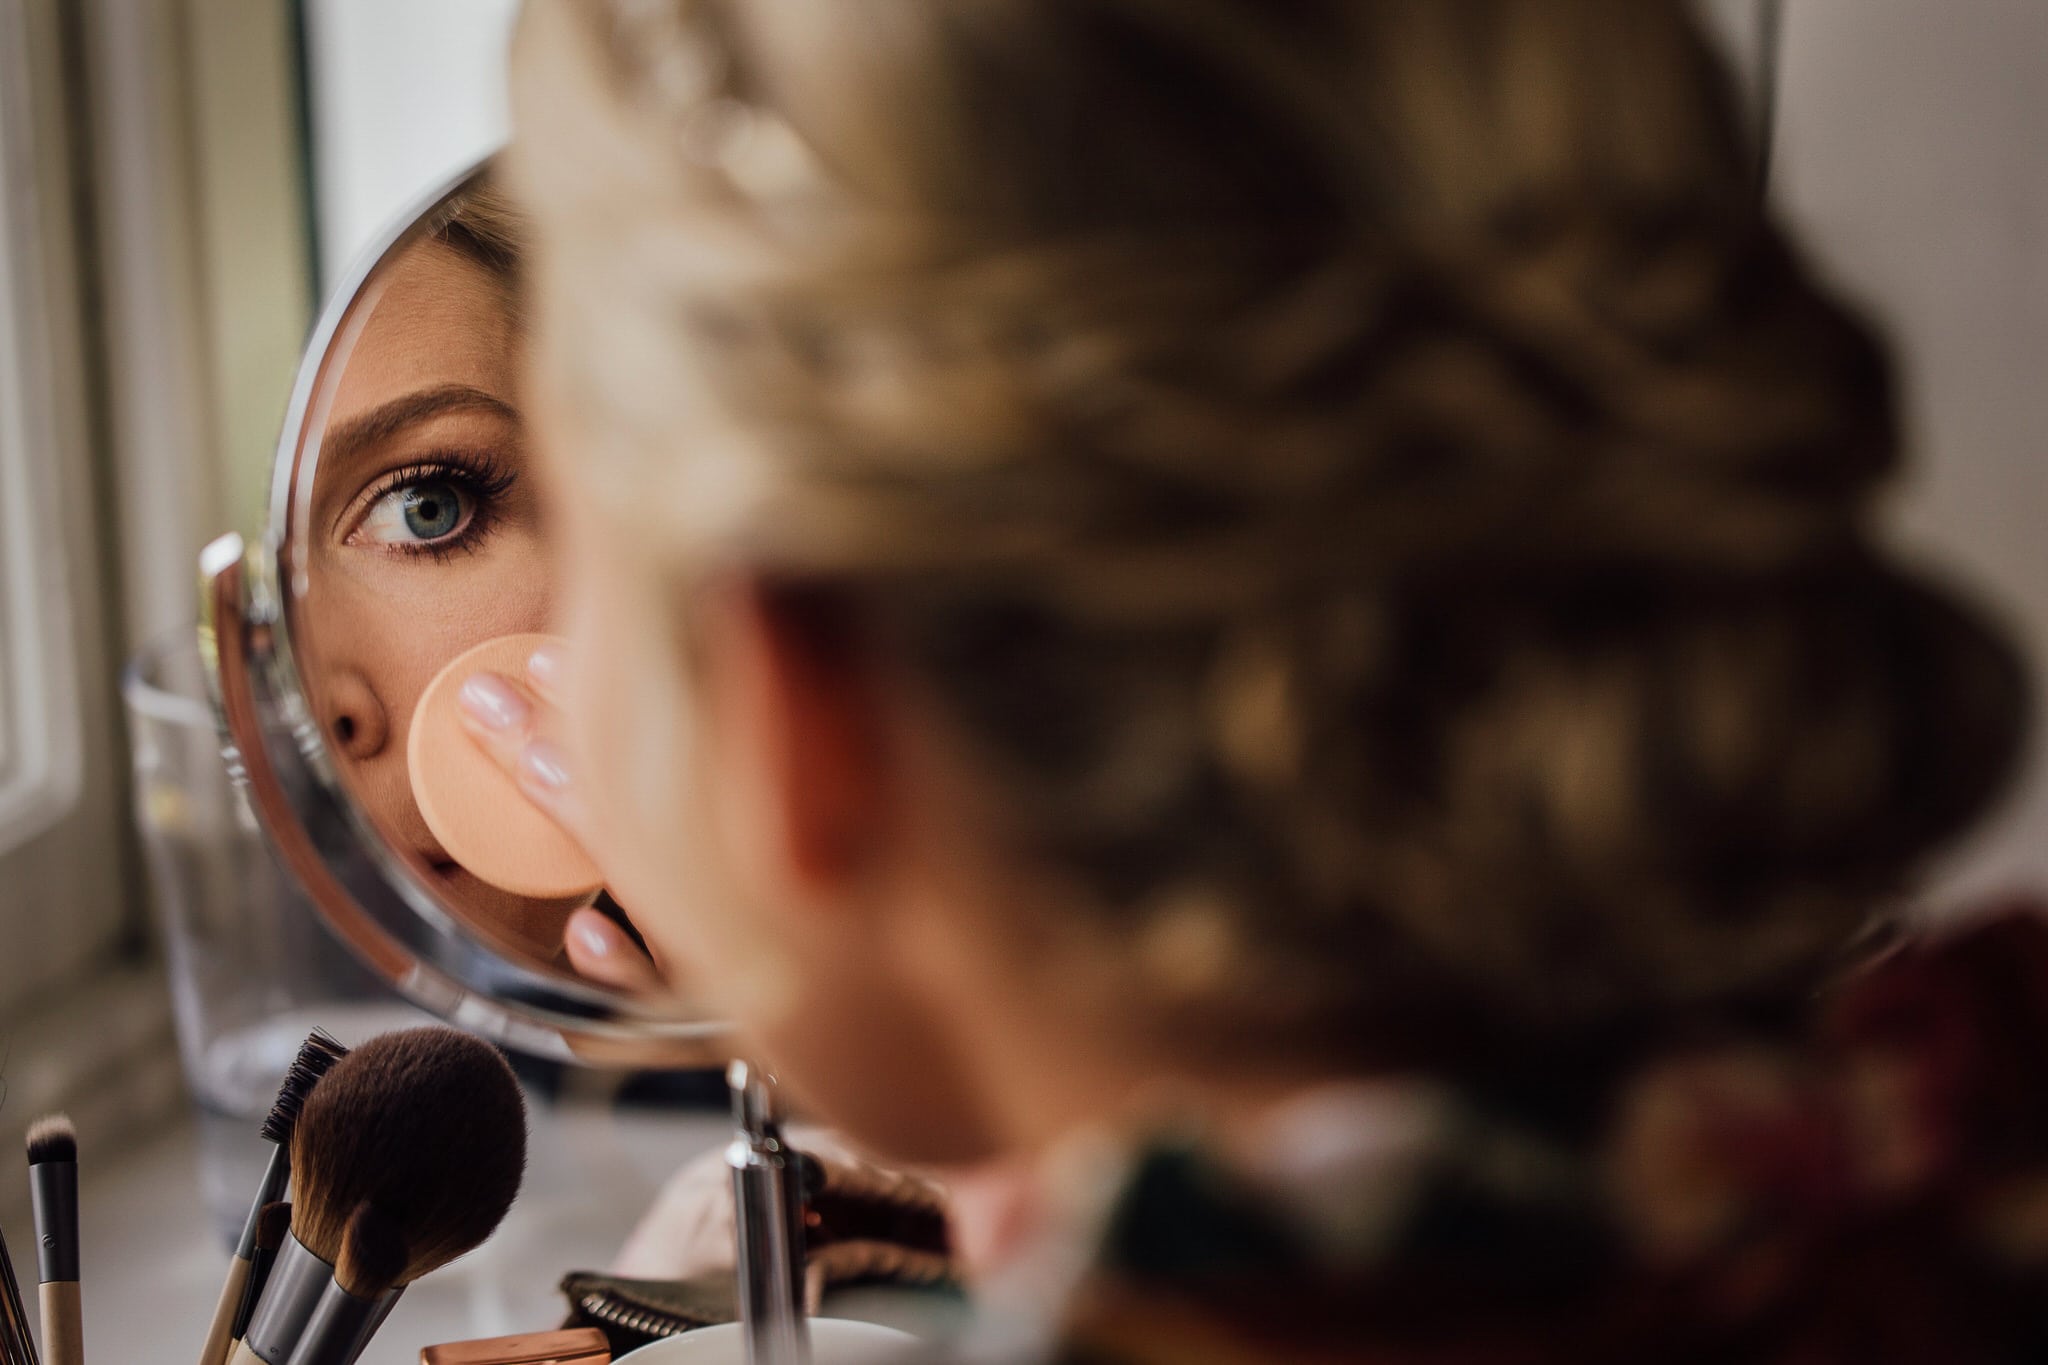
(1865, 1184)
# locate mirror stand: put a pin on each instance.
(768, 1222)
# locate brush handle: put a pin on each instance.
(63, 1325)
(277, 1173)
(221, 1335)
(17, 1347)
(231, 1316)
(244, 1356)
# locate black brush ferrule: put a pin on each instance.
(340, 1327)
(53, 1190)
(276, 1176)
(297, 1282)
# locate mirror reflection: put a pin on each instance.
(423, 535)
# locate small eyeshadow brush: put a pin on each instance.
(53, 1188)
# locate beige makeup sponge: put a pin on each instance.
(472, 806)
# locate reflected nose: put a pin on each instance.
(355, 718)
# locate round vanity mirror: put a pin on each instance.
(407, 547)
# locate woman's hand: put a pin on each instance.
(517, 721)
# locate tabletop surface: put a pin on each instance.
(153, 1262)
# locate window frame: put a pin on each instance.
(41, 725)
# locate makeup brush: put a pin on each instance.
(427, 1125)
(273, 1225)
(373, 1256)
(17, 1347)
(53, 1190)
(238, 1294)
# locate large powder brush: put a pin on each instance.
(428, 1127)
(427, 1124)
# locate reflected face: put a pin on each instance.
(425, 538)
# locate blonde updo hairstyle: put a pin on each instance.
(1392, 513)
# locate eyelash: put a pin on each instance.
(479, 475)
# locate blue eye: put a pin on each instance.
(431, 510)
(418, 514)
(437, 506)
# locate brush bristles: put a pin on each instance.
(426, 1124)
(54, 1137)
(272, 1225)
(317, 1055)
(372, 1255)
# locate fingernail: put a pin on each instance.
(594, 940)
(541, 764)
(544, 666)
(490, 701)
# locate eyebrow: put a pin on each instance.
(344, 443)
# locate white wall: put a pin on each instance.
(404, 94)
(1914, 148)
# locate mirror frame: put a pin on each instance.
(279, 754)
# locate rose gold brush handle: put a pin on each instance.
(244, 1356)
(63, 1327)
(220, 1336)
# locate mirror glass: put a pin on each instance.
(407, 530)
(418, 529)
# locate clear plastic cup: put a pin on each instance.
(251, 969)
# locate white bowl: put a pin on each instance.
(834, 1341)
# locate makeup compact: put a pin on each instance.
(574, 1346)
(837, 1339)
